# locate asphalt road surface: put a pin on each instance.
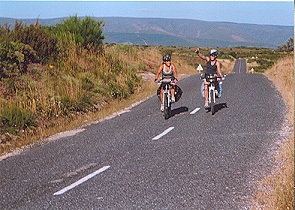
(240, 66)
(139, 160)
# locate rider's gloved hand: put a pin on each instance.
(175, 80)
(156, 80)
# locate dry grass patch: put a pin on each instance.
(276, 191)
(282, 75)
(227, 66)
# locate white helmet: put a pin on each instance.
(213, 52)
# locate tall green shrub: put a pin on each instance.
(38, 37)
(15, 58)
(86, 31)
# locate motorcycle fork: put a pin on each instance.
(211, 88)
(166, 90)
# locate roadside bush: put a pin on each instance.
(288, 47)
(86, 31)
(15, 58)
(132, 82)
(233, 54)
(36, 36)
(263, 65)
(225, 56)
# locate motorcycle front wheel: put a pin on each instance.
(212, 101)
(166, 107)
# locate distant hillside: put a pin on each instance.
(182, 32)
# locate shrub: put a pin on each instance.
(86, 32)
(132, 83)
(36, 36)
(233, 54)
(225, 56)
(15, 58)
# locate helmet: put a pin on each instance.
(166, 58)
(213, 52)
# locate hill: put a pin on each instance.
(184, 32)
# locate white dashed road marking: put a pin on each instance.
(81, 180)
(163, 134)
(194, 112)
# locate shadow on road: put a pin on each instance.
(178, 111)
(218, 107)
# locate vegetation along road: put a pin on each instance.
(204, 162)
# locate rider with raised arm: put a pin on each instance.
(212, 67)
(169, 74)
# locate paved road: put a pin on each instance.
(240, 66)
(203, 161)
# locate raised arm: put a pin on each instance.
(201, 55)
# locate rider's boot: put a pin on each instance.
(206, 104)
(162, 107)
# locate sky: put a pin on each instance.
(252, 12)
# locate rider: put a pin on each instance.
(169, 73)
(213, 66)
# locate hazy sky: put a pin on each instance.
(254, 12)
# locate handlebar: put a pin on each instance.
(165, 81)
(161, 82)
(203, 76)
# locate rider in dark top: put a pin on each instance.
(212, 67)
